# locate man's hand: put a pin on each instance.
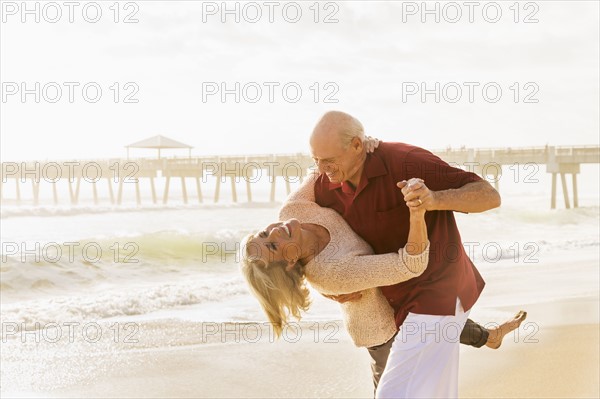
(353, 296)
(417, 194)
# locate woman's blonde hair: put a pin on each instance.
(280, 292)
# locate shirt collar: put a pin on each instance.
(374, 167)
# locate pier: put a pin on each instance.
(560, 161)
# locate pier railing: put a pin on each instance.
(488, 162)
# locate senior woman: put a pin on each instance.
(324, 250)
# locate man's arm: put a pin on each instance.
(473, 197)
(447, 188)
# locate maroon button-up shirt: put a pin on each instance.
(376, 211)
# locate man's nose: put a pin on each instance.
(323, 167)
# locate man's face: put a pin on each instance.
(331, 158)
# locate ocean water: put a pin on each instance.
(104, 262)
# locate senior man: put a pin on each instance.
(422, 359)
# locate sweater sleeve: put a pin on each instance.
(292, 207)
(306, 191)
(359, 272)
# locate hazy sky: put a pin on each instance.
(372, 60)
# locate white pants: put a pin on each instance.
(423, 361)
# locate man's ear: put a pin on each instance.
(357, 143)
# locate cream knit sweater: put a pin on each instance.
(347, 264)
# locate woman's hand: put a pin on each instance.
(342, 298)
(370, 143)
(410, 189)
(417, 234)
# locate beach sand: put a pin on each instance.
(309, 362)
(562, 364)
(555, 354)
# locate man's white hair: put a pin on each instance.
(344, 124)
(353, 129)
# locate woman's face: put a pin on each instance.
(279, 241)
